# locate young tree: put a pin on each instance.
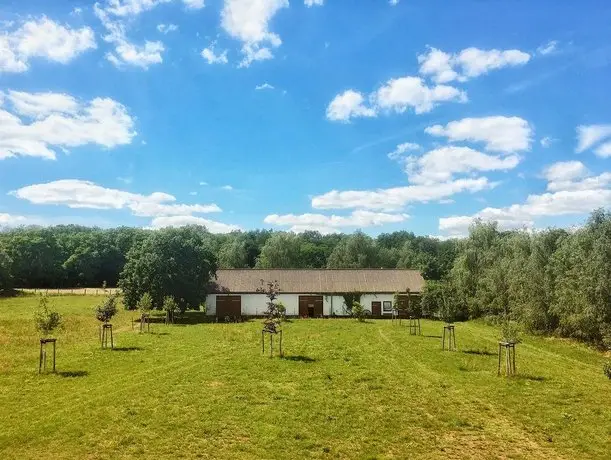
(273, 314)
(171, 262)
(107, 309)
(170, 306)
(358, 311)
(46, 319)
(145, 303)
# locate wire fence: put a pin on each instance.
(73, 291)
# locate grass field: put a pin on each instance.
(344, 390)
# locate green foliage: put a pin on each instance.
(107, 309)
(510, 331)
(46, 319)
(358, 311)
(145, 303)
(170, 305)
(6, 278)
(173, 262)
(355, 251)
(281, 310)
(280, 251)
(349, 300)
(607, 368)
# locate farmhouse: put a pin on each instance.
(311, 293)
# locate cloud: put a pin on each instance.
(440, 165)
(166, 28)
(181, 221)
(604, 150)
(248, 21)
(203, 183)
(43, 38)
(549, 48)
(227, 187)
(397, 153)
(79, 194)
(590, 135)
(194, 4)
(400, 94)
(348, 105)
(393, 2)
(501, 134)
(397, 197)
(212, 58)
(547, 141)
(43, 122)
(311, 3)
(264, 86)
(331, 224)
(127, 53)
(8, 220)
(571, 191)
(469, 63)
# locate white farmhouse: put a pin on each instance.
(310, 293)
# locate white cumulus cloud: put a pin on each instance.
(42, 38)
(401, 149)
(248, 21)
(166, 28)
(310, 3)
(347, 105)
(590, 135)
(498, 133)
(211, 57)
(469, 63)
(264, 86)
(36, 124)
(329, 224)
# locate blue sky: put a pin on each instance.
(421, 115)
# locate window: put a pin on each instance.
(387, 305)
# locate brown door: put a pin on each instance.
(228, 305)
(376, 308)
(310, 305)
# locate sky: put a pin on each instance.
(328, 115)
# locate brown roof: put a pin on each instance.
(320, 281)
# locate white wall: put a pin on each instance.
(255, 304)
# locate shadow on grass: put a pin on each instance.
(480, 352)
(532, 378)
(158, 333)
(432, 336)
(72, 374)
(128, 348)
(300, 358)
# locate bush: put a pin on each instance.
(510, 332)
(46, 320)
(358, 311)
(607, 369)
(145, 304)
(281, 310)
(107, 309)
(170, 305)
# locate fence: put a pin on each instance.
(73, 291)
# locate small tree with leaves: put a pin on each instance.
(358, 311)
(145, 305)
(46, 320)
(273, 315)
(170, 306)
(107, 309)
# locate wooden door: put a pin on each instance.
(310, 305)
(376, 308)
(228, 305)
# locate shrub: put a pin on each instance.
(607, 368)
(510, 332)
(46, 320)
(170, 305)
(281, 310)
(358, 311)
(145, 304)
(107, 309)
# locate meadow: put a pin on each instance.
(344, 389)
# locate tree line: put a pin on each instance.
(553, 281)
(75, 256)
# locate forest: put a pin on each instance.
(552, 281)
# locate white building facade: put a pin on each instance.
(311, 293)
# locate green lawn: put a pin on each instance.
(345, 390)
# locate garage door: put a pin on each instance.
(310, 305)
(228, 305)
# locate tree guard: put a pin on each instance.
(510, 358)
(42, 363)
(145, 322)
(451, 337)
(414, 325)
(105, 331)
